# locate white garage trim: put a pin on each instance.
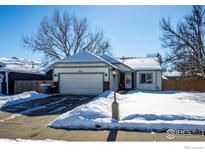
(94, 70)
(81, 83)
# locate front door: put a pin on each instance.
(128, 80)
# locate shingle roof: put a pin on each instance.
(147, 63)
(114, 61)
(111, 59)
(84, 57)
(141, 63)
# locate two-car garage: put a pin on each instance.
(81, 83)
(82, 73)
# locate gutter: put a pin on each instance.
(93, 62)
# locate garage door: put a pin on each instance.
(81, 83)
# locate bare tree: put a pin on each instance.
(159, 58)
(185, 43)
(158, 55)
(62, 36)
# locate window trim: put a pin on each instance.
(140, 74)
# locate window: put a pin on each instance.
(146, 77)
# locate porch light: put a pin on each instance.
(115, 105)
(114, 72)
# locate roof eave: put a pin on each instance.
(84, 62)
(148, 69)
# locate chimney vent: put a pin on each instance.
(32, 63)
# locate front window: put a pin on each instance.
(146, 77)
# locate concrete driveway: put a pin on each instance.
(49, 106)
(29, 120)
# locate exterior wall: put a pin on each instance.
(49, 75)
(155, 85)
(117, 81)
(159, 80)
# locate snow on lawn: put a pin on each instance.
(139, 110)
(6, 101)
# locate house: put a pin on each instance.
(171, 75)
(86, 73)
(14, 68)
(145, 73)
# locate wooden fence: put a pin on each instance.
(29, 85)
(184, 85)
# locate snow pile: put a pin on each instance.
(6, 101)
(148, 111)
(86, 116)
(21, 65)
(148, 63)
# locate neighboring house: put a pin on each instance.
(171, 75)
(86, 73)
(175, 75)
(12, 69)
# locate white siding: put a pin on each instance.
(156, 82)
(159, 80)
(112, 81)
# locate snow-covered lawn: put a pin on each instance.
(139, 110)
(6, 101)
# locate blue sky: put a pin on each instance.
(132, 30)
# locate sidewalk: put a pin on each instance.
(34, 127)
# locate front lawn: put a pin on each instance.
(139, 110)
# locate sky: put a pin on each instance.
(132, 30)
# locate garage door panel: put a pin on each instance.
(81, 83)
